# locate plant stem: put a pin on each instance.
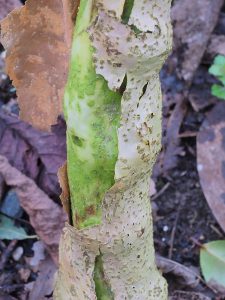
(92, 113)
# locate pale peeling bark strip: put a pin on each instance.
(124, 237)
(38, 38)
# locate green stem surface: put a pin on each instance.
(92, 114)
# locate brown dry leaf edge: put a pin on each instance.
(47, 218)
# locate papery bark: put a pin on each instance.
(124, 238)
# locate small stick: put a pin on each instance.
(173, 234)
(220, 234)
(6, 254)
(163, 189)
(16, 219)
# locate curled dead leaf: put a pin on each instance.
(37, 58)
(36, 154)
(187, 276)
(211, 161)
(7, 6)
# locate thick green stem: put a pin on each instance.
(92, 113)
(112, 142)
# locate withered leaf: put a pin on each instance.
(36, 154)
(37, 38)
(64, 184)
(191, 33)
(46, 216)
(211, 162)
(187, 276)
(7, 6)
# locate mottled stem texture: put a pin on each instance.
(112, 107)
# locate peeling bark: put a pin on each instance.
(109, 56)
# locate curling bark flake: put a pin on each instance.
(112, 222)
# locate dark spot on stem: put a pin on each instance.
(127, 9)
(78, 141)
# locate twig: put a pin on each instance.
(2, 246)
(188, 134)
(220, 234)
(6, 254)
(166, 186)
(16, 219)
(8, 289)
(173, 234)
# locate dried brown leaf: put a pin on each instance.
(36, 154)
(192, 33)
(7, 6)
(46, 217)
(37, 38)
(211, 162)
(188, 277)
(216, 46)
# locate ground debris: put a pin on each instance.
(192, 33)
(179, 295)
(43, 286)
(36, 154)
(216, 46)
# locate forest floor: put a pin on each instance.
(183, 219)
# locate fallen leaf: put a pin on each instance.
(212, 261)
(9, 231)
(187, 276)
(192, 33)
(216, 46)
(201, 98)
(211, 161)
(44, 284)
(46, 217)
(36, 154)
(43, 49)
(7, 6)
